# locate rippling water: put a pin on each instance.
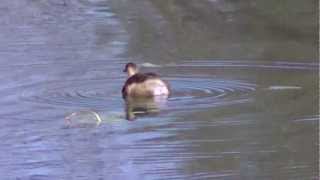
(239, 109)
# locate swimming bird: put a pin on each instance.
(143, 84)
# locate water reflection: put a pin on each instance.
(139, 106)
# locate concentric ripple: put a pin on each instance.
(89, 94)
(189, 92)
(197, 93)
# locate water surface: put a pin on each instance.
(244, 78)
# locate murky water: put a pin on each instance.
(244, 78)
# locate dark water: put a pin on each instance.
(244, 77)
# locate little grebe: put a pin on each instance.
(143, 84)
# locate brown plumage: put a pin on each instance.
(143, 84)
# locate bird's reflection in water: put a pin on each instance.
(144, 106)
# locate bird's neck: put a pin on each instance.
(132, 72)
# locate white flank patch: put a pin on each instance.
(161, 90)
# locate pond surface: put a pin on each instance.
(244, 78)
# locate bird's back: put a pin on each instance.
(146, 85)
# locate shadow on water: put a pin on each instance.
(244, 78)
